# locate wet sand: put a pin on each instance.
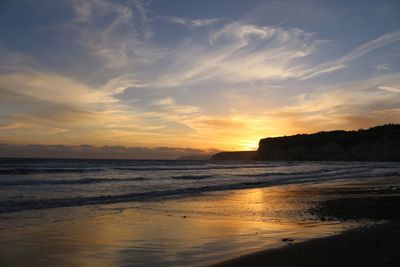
(189, 231)
(373, 245)
(377, 246)
(195, 231)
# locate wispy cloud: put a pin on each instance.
(35, 105)
(390, 89)
(192, 23)
(360, 51)
(238, 53)
(52, 87)
(173, 111)
(382, 68)
(349, 105)
(119, 45)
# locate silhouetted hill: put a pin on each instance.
(381, 143)
(235, 155)
(195, 157)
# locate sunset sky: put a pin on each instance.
(194, 74)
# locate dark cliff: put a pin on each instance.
(381, 143)
(235, 155)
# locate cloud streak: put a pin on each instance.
(360, 51)
(239, 53)
(351, 105)
(191, 23)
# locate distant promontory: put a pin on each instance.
(381, 143)
(235, 155)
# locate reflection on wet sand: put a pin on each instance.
(188, 231)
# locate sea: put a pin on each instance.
(27, 184)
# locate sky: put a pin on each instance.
(200, 76)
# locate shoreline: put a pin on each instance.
(193, 231)
(375, 244)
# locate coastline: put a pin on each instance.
(365, 246)
(374, 244)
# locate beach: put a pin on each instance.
(190, 231)
(369, 245)
(264, 217)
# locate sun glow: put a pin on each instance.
(249, 145)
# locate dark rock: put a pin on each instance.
(381, 143)
(370, 208)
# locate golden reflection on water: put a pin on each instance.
(188, 231)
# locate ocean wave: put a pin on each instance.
(67, 182)
(192, 177)
(194, 168)
(116, 185)
(24, 171)
(304, 173)
(41, 170)
(21, 205)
